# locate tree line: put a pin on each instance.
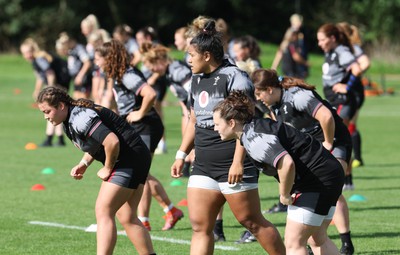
(264, 19)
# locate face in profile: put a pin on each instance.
(180, 41)
(265, 96)
(27, 53)
(54, 115)
(159, 66)
(99, 60)
(223, 127)
(325, 43)
(196, 60)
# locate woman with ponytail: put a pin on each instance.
(135, 99)
(340, 71)
(104, 136)
(221, 171)
(295, 102)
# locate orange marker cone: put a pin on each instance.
(38, 187)
(30, 146)
(183, 202)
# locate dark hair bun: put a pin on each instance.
(209, 28)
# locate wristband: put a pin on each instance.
(351, 81)
(85, 162)
(180, 155)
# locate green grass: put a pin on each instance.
(374, 222)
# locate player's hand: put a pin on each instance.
(78, 171)
(176, 168)
(104, 173)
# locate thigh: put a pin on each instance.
(112, 196)
(204, 205)
(128, 210)
(245, 205)
(298, 233)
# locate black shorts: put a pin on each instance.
(86, 86)
(151, 130)
(345, 104)
(160, 86)
(318, 202)
(360, 96)
(213, 157)
(133, 168)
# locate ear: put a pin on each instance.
(232, 123)
(61, 106)
(270, 90)
(207, 56)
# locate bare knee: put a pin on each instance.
(317, 240)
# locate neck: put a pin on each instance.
(213, 66)
(238, 130)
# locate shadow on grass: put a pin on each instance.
(374, 208)
(378, 165)
(356, 177)
(380, 252)
(377, 188)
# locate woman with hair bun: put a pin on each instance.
(221, 171)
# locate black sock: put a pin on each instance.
(48, 139)
(61, 139)
(350, 179)
(280, 205)
(218, 227)
(356, 139)
(346, 239)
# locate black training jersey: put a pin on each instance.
(41, 65)
(87, 128)
(207, 90)
(178, 75)
(267, 141)
(127, 93)
(59, 66)
(76, 57)
(298, 107)
(334, 69)
(214, 156)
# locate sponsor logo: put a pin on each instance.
(204, 98)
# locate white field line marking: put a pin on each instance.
(158, 238)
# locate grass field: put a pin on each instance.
(67, 206)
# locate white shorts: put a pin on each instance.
(301, 215)
(205, 182)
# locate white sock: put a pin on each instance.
(167, 209)
(143, 219)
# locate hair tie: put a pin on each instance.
(280, 78)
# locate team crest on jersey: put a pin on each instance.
(204, 98)
(333, 56)
(325, 68)
(285, 109)
(216, 79)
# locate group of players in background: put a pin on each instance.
(130, 73)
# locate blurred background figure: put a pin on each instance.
(50, 70)
(79, 65)
(293, 50)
